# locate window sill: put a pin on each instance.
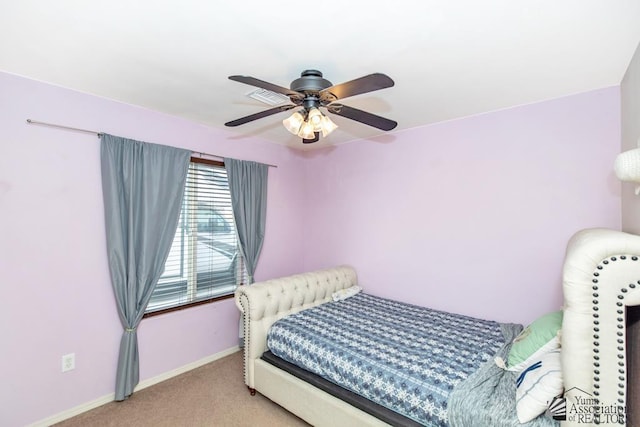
(189, 305)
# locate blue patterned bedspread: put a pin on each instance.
(401, 356)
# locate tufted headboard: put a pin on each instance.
(262, 303)
(601, 278)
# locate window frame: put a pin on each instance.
(211, 299)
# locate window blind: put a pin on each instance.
(204, 261)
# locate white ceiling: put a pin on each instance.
(449, 59)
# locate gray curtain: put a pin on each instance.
(248, 188)
(143, 185)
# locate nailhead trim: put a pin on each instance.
(246, 310)
(620, 326)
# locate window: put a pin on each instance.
(204, 263)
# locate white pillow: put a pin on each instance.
(538, 338)
(537, 385)
(345, 293)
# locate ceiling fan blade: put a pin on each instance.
(362, 116)
(266, 85)
(259, 115)
(364, 84)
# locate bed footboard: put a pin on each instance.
(601, 279)
(261, 304)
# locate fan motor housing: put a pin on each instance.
(310, 81)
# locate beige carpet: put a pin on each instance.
(212, 395)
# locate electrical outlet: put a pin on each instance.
(68, 362)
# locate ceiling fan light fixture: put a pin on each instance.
(327, 126)
(306, 131)
(294, 122)
(315, 118)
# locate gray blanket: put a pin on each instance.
(488, 397)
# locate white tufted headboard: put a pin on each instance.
(601, 278)
(263, 303)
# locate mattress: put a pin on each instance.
(403, 357)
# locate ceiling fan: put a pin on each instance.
(311, 91)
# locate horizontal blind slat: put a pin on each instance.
(204, 261)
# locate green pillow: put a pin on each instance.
(538, 338)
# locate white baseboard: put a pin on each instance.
(77, 410)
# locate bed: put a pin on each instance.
(600, 281)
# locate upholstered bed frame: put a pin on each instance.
(601, 278)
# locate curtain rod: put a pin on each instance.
(98, 134)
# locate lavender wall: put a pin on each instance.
(480, 207)
(57, 296)
(472, 215)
